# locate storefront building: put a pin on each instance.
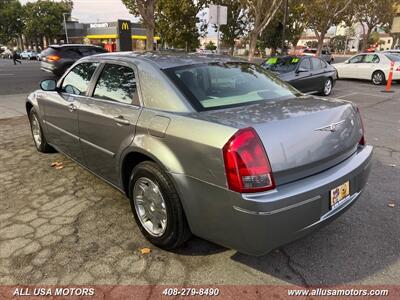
(110, 35)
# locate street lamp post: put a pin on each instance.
(65, 27)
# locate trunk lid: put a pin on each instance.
(302, 136)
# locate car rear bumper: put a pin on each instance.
(258, 223)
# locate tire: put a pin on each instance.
(378, 78)
(327, 88)
(176, 231)
(40, 143)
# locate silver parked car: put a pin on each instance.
(206, 145)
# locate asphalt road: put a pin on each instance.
(20, 79)
(67, 226)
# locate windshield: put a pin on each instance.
(281, 64)
(221, 85)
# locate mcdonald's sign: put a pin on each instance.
(124, 26)
(124, 42)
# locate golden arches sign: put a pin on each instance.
(125, 26)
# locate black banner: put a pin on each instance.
(125, 35)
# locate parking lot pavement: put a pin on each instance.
(67, 226)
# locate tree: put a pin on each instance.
(146, 10)
(261, 12)
(322, 15)
(273, 33)
(44, 18)
(237, 23)
(372, 13)
(10, 20)
(210, 46)
(338, 43)
(176, 21)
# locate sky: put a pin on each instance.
(94, 11)
(91, 11)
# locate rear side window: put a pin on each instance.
(77, 80)
(117, 83)
(316, 63)
(371, 58)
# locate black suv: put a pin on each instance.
(58, 58)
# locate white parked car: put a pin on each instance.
(27, 54)
(369, 66)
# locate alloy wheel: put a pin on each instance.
(377, 78)
(328, 87)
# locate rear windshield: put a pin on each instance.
(393, 57)
(222, 85)
(281, 64)
(49, 51)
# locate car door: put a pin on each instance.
(369, 64)
(303, 77)
(107, 119)
(350, 69)
(318, 75)
(61, 109)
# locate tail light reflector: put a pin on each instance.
(362, 130)
(246, 163)
(53, 58)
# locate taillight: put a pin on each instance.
(53, 58)
(398, 69)
(362, 130)
(246, 163)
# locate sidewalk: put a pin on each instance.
(12, 106)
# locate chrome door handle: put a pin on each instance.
(72, 107)
(121, 120)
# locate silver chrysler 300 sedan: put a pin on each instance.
(206, 145)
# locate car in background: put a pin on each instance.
(325, 54)
(370, 66)
(307, 74)
(6, 54)
(58, 58)
(28, 54)
(207, 145)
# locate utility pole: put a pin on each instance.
(285, 16)
(65, 27)
(218, 21)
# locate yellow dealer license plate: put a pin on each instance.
(339, 194)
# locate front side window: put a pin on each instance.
(305, 64)
(116, 83)
(221, 85)
(356, 59)
(77, 80)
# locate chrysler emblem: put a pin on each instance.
(330, 127)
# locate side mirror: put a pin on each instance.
(48, 85)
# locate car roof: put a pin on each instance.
(170, 59)
(72, 45)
